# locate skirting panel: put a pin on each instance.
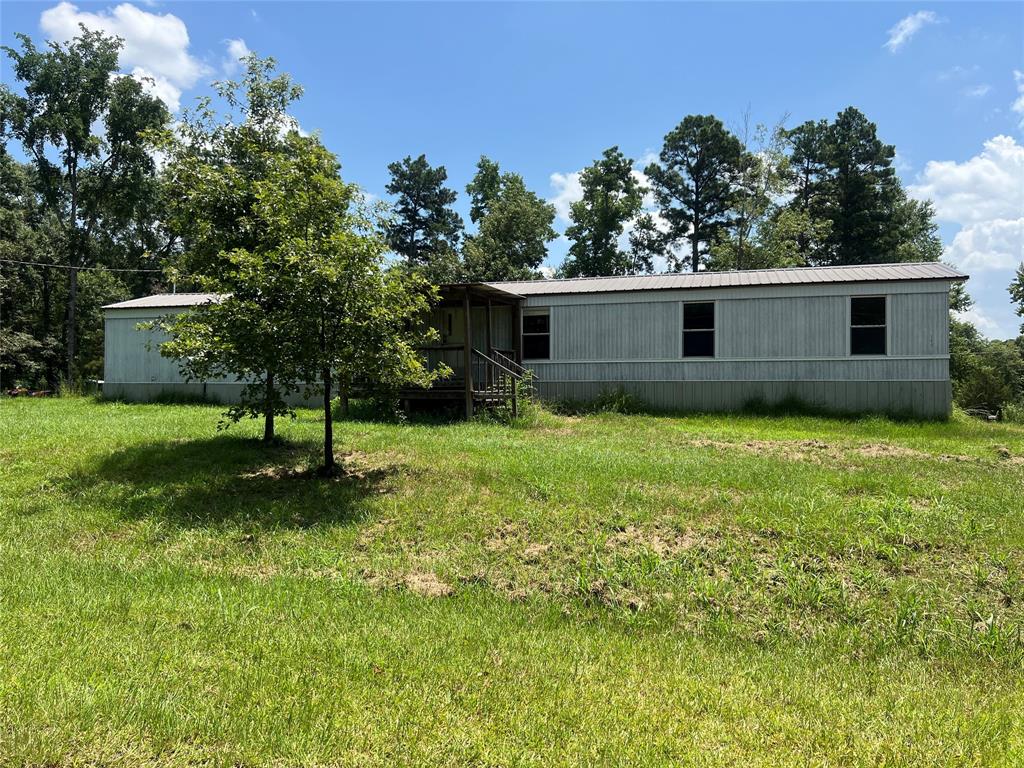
(214, 392)
(928, 399)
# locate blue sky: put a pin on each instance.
(544, 88)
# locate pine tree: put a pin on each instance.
(612, 197)
(425, 231)
(693, 183)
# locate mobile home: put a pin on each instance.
(852, 338)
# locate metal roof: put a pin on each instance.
(863, 273)
(166, 300)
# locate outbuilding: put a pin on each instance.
(869, 338)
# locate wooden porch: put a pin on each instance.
(480, 329)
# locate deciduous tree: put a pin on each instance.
(514, 227)
(87, 131)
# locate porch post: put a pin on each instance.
(468, 353)
(517, 330)
(490, 347)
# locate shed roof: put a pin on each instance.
(863, 273)
(160, 300)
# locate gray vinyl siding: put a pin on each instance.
(131, 355)
(919, 323)
(789, 327)
(616, 331)
(771, 342)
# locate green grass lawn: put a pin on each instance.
(712, 590)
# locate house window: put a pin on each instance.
(867, 325)
(699, 329)
(536, 334)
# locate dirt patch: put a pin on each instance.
(663, 541)
(373, 532)
(427, 585)
(889, 451)
(534, 553)
(820, 452)
(504, 536)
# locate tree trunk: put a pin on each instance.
(268, 413)
(70, 320)
(51, 371)
(343, 390)
(695, 248)
(328, 424)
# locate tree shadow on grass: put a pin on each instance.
(228, 481)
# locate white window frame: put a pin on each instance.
(850, 326)
(534, 312)
(683, 331)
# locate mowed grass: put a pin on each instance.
(708, 590)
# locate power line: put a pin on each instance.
(68, 266)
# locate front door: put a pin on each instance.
(453, 329)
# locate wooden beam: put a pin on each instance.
(468, 353)
(490, 347)
(517, 331)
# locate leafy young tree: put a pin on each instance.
(646, 242)
(425, 231)
(350, 317)
(751, 238)
(612, 197)
(216, 166)
(86, 130)
(215, 162)
(693, 182)
(514, 227)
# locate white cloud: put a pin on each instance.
(988, 245)
(237, 50)
(1018, 104)
(155, 45)
(977, 91)
(906, 28)
(988, 186)
(957, 72)
(159, 87)
(985, 196)
(979, 320)
(568, 190)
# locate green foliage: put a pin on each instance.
(311, 302)
(842, 173)
(217, 170)
(985, 374)
(693, 183)
(1016, 290)
(612, 197)
(215, 162)
(750, 241)
(88, 135)
(514, 226)
(425, 231)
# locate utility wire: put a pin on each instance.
(68, 266)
